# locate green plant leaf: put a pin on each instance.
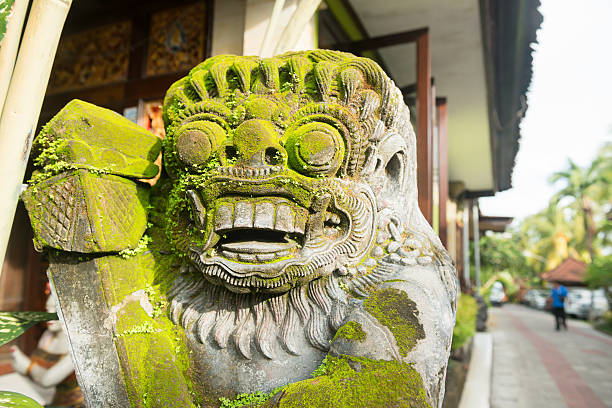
(16, 400)
(13, 324)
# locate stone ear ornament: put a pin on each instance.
(285, 230)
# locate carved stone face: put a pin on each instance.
(280, 166)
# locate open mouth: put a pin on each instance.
(268, 242)
(261, 229)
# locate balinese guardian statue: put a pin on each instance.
(281, 252)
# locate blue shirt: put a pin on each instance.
(558, 295)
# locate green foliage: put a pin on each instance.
(243, 400)
(599, 273)
(13, 324)
(467, 308)
(506, 278)
(605, 325)
(576, 223)
(5, 10)
(500, 252)
(9, 399)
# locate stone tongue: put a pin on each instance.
(257, 247)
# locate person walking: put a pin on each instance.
(558, 293)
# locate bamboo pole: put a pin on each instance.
(9, 46)
(23, 103)
(291, 34)
(267, 46)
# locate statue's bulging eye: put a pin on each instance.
(196, 141)
(315, 149)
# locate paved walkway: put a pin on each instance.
(535, 366)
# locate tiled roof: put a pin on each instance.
(570, 271)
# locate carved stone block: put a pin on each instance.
(85, 135)
(84, 212)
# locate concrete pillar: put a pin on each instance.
(466, 242)
(476, 234)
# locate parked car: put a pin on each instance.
(536, 298)
(497, 297)
(579, 300)
(529, 295)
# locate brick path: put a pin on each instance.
(535, 366)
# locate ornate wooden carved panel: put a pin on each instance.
(93, 57)
(176, 39)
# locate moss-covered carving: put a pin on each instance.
(85, 212)
(351, 331)
(155, 360)
(356, 382)
(83, 135)
(394, 309)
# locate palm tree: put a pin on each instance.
(583, 187)
(549, 236)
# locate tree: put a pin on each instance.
(503, 252)
(549, 235)
(599, 275)
(584, 188)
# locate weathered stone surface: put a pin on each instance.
(286, 239)
(82, 307)
(85, 135)
(84, 212)
(128, 351)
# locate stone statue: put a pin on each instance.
(50, 364)
(283, 240)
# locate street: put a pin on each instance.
(535, 366)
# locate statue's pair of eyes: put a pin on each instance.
(313, 149)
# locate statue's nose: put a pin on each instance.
(256, 144)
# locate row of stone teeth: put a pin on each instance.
(249, 171)
(260, 214)
(251, 258)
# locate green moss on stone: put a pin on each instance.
(351, 331)
(86, 136)
(151, 348)
(394, 309)
(86, 212)
(356, 382)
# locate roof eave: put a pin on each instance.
(508, 29)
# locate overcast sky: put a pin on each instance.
(570, 102)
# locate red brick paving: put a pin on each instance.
(575, 391)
